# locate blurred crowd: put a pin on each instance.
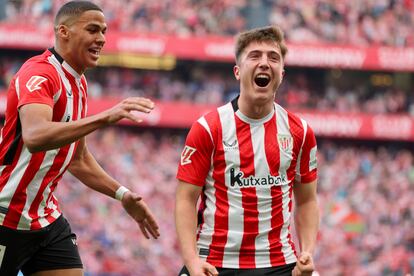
(365, 191)
(213, 83)
(365, 196)
(354, 22)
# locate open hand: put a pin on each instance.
(127, 109)
(139, 211)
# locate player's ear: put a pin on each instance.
(236, 71)
(62, 31)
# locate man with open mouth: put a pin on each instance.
(247, 160)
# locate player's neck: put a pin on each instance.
(255, 110)
(66, 55)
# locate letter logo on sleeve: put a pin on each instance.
(34, 83)
(186, 155)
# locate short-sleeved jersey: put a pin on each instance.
(247, 169)
(27, 180)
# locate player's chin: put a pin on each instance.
(91, 63)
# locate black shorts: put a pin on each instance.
(284, 270)
(53, 247)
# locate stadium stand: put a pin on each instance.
(362, 114)
(387, 22)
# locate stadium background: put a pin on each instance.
(349, 72)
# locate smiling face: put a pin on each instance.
(260, 71)
(83, 40)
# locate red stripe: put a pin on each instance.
(273, 159)
(249, 197)
(60, 105)
(221, 223)
(297, 130)
(19, 198)
(9, 130)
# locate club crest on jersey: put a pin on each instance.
(34, 83)
(186, 155)
(285, 142)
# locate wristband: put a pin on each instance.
(119, 194)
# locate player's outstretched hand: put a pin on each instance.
(139, 211)
(127, 107)
(304, 265)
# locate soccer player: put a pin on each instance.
(246, 159)
(44, 135)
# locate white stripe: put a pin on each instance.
(305, 131)
(2, 250)
(69, 94)
(56, 213)
(207, 228)
(85, 94)
(15, 177)
(264, 197)
(52, 59)
(202, 121)
(16, 85)
(236, 211)
(57, 95)
(80, 106)
(33, 189)
(285, 160)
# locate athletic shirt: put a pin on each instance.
(28, 180)
(247, 169)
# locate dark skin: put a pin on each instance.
(79, 41)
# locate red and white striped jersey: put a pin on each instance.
(247, 169)
(27, 180)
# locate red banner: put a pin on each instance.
(214, 48)
(325, 124)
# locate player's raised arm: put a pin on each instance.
(40, 133)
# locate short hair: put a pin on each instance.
(262, 34)
(74, 9)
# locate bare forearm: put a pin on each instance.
(307, 225)
(186, 225)
(52, 135)
(90, 173)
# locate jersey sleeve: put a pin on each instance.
(195, 161)
(36, 85)
(307, 170)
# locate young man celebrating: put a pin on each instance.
(246, 159)
(44, 135)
